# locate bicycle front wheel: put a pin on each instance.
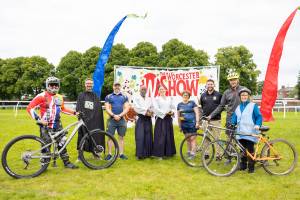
(23, 158)
(281, 157)
(191, 150)
(97, 154)
(226, 159)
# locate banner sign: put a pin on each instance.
(175, 80)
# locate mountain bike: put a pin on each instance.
(28, 156)
(277, 157)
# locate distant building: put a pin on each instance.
(284, 92)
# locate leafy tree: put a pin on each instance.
(35, 69)
(89, 60)
(260, 85)
(238, 59)
(177, 54)
(69, 71)
(11, 71)
(143, 54)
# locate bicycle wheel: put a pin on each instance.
(192, 155)
(22, 157)
(94, 155)
(226, 159)
(282, 157)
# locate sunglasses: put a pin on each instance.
(53, 84)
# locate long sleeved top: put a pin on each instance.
(163, 105)
(230, 99)
(51, 105)
(141, 104)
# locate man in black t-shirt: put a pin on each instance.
(209, 101)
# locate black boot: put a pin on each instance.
(251, 166)
(69, 165)
(243, 164)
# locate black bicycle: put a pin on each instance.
(28, 156)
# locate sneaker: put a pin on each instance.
(139, 157)
(70, 165)
(108, 157)
(123, 157)
(227, 162)
(78, 160)
(191, 157)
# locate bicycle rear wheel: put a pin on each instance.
(22, 157)
(282, 157)
(226, 159)
(95, 155)
(192, 157)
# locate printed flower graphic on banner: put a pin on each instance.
(133, 77)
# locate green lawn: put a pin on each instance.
(147, 179)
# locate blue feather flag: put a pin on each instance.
(98, 75)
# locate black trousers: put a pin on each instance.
(249, 145)
(44, 133)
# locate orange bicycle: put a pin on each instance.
(277, 157)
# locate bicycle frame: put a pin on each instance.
(77, 125)
(261, 141)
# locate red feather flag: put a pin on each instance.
(269, 93)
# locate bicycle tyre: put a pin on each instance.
(282, 146)
(193, 162)
(8, 168)
(224, 164)
(100, 162)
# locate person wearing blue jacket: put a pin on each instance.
(248, 119)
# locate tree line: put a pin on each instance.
(27, 75)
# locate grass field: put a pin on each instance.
(146, 179)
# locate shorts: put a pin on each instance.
(188, 128)
(112, 125)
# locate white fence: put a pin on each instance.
(285, 105)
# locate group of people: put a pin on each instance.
(241, 113)
(159, 143)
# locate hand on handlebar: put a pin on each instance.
(42, 122)
(256, 127)
(207, 118)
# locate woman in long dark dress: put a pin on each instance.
(164, 144)
(143, 128)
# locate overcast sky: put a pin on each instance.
(51, 28)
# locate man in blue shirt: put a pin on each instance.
(116, 106)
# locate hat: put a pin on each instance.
(244, 90)
(233, 75)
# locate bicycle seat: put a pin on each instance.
(264, 128)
